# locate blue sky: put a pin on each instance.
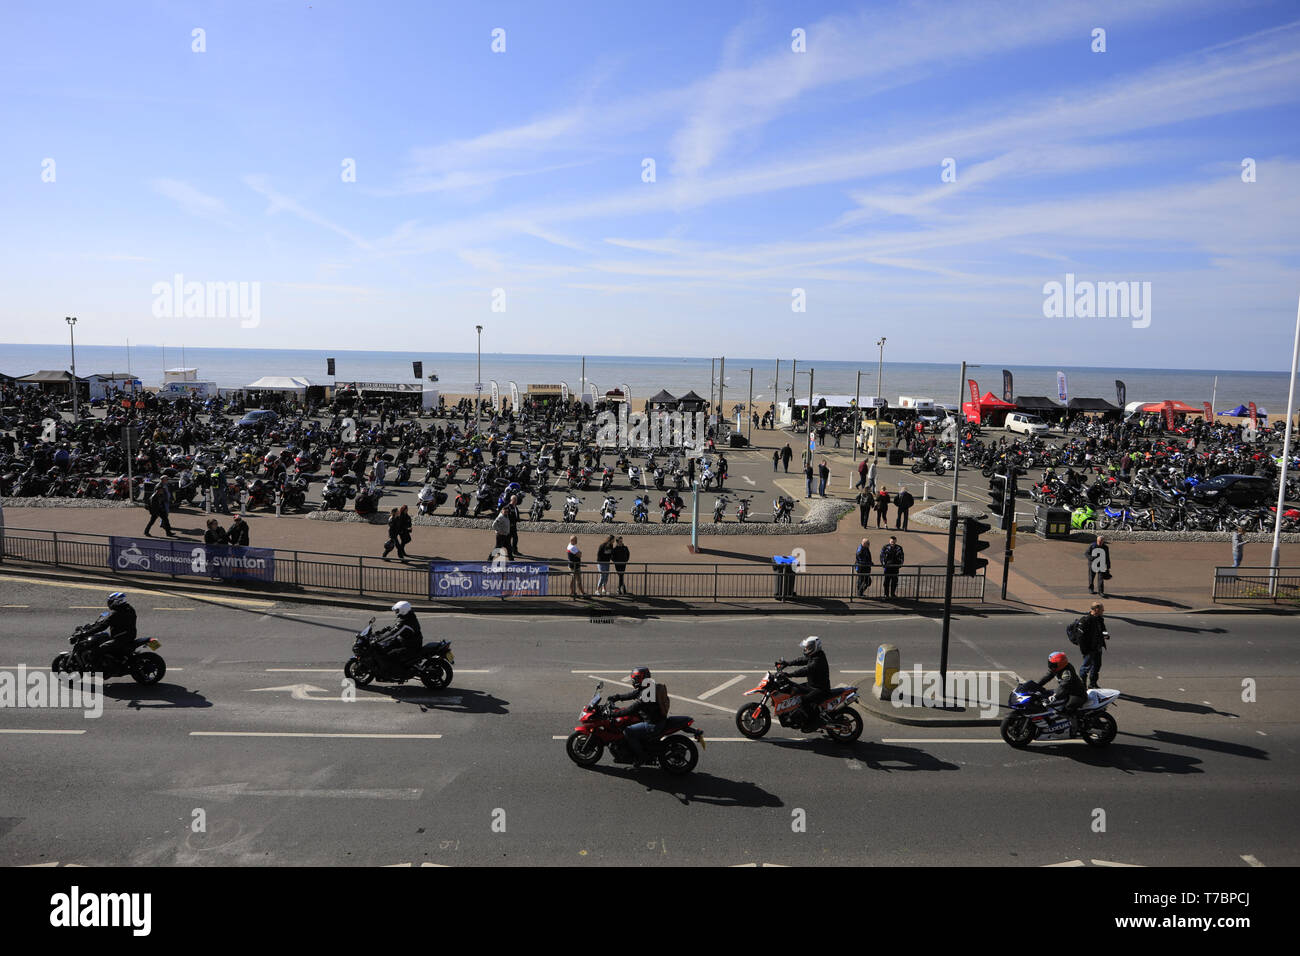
(774, 170)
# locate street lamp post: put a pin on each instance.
(1286, 457)
(478, 381)
(880, 371)
(72, 322)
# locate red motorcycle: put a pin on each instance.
(834, 715)
(673, 749)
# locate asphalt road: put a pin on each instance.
(477, 774)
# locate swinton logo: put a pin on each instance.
(94, 910)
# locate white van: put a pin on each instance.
(1026, 424)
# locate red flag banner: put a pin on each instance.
(974, 392)
(1169, 415)
(1254, 415)
(1209, 412)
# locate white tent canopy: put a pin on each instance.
(281, 383)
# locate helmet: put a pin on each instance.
(402, 608)
(1057, 662)
(639, 676)
(810, 645)
(116, 599)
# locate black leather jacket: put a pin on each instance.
(643, 704)
(119, 623)
(1070, 683)
(814, 666)
(405, 635)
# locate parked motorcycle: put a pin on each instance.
(609, 510)
(571, 503)
(431, 664)
(834, 716)
(783, 509)
(673, 749)
(1034, 717)
(719, 508)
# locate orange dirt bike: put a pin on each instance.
(834, 716)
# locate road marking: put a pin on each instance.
(20, 605)
(277, 734)
(173, 609)
(1112, 863)
(721, 687)
(215, 598)
(1251, 860)
(748, 480)
(689, 700)
(949, 740)
(339, 670)
(41, 731)
(620, 670)
(241, 790)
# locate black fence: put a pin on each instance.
(1257, 584)
(361, 575)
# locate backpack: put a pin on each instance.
(1073, 630)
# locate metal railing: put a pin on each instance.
(360, 575)
(1257, 584)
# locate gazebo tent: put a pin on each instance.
(663, 399)
(280, 383)
(690, 402)
(1092, 405)
(1038, 404)
(989, 405)
(1179, 408)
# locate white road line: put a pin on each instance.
(707, 739)
(951, 740)
(41, 731)
(721, 687)
(689, 700)
(1251, 860)
(730, 670)
(350, 736)
(45, 667)
(339, 670)
(15, 605)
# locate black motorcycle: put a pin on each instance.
(431, 664)
(143, 665)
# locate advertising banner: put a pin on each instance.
(517, 579)
(1006, 386)
(1121, 393)
(191, 557)
(1168, 409)
(1062, 390)
(974, 392)
(1209, 412)
(1254, 415)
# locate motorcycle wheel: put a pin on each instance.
(1018, 731)
(436, 675)
(987, 471)
(147, 668)
(916, 468)
(60, 664)
(1100, 730)
(583, 749)
(846, 728)
(939, 470)
(680, 755)
(357, 672)
(753, 720)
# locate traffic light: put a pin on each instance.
(997, 495)
(971, 546)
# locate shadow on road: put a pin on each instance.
(1164, 626)
(1177, 706)
(452, 700)
(155, 696)
(1205, 743)
(697, 787)
(1128, 758)
(887, 757)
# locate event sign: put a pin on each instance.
(191, 557)
(519, 579)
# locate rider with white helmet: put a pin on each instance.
(403, 636)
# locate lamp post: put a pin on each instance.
(1286, 456)
(880, 371)
(478, 381)
(72, 323)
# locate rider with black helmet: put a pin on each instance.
(645, 705)
(118, 626)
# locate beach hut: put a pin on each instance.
(57, 382)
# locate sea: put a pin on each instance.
(644, 376)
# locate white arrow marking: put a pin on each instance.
(1109, 863)
(748, 480)
(1251, 860)
(721, 687)
(296, 691)
(1067, 863)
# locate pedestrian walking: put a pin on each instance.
(807, 477)
(882, 507)
(903, 503)
(862, 474)
(776, 460)
(786, 455)
(220, 491)
(158, 507)
(871, 477)
(1091, 633)
(395, 535)
(238, 533)
(865, 501)
(1238, 548)
(512, 512)
(1098, 555)
(404, 519)
(604, 555)
(823, 476)
(381, 468)
(862, 564)
(891, 559)
(574, 554)
(501, 526)
(621, 556)
(690, 472)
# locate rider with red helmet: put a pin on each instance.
(1070, 691)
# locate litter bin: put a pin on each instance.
(1051, 522)
(783, 569)
(896, 456)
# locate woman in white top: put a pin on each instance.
(575, 566)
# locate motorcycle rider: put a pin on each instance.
(644, 706)
(1070, 692)
(814, 666)
(119, 625)
(403, 637)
